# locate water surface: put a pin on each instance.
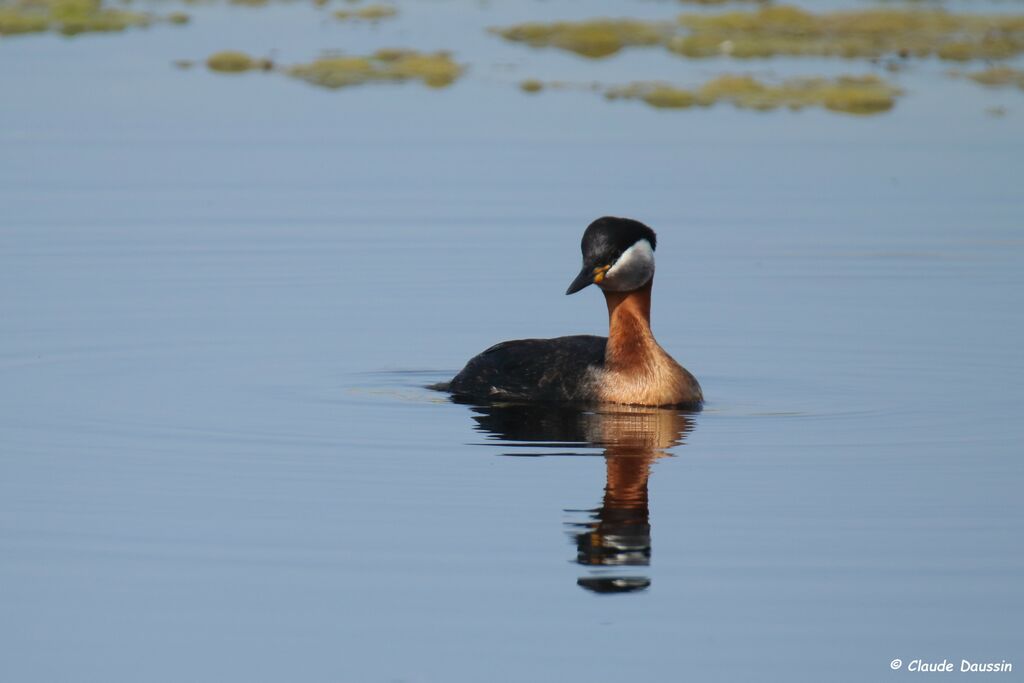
(222, 300)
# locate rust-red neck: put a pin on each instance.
(629, 326)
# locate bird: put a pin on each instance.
(626, 367)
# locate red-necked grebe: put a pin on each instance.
(628, 366)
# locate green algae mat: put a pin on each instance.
(876, 44)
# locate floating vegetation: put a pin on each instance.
(999, 77)
(231, 61)
(771, 30)
(70, 17)
(659, 95)
(531, 85)
(787, 30)
(436, 70)
(847, 94)
(595, 38)
(709, 3)
(367, 13)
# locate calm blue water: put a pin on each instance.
(221, 299)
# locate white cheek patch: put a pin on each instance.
(633, 269)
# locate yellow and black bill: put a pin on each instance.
(588, 276)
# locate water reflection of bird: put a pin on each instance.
(618, 533)
(628, 366)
